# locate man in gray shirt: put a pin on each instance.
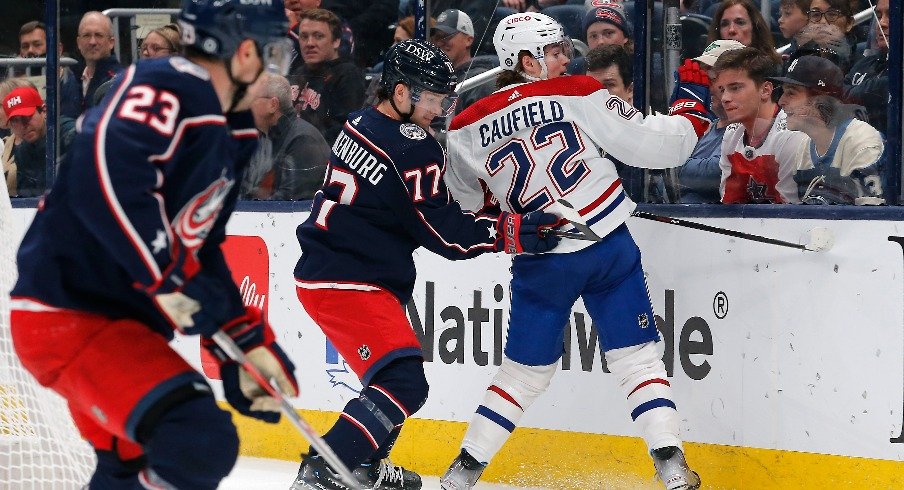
(292, 155)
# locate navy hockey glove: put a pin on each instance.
(255, 337)
(691, 97)
(520, 233)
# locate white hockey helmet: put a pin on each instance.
(531, 32)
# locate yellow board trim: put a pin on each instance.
(572, 460)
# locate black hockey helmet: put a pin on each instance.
(418, 64)
(421, 66)
(217, 27)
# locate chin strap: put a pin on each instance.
(241, 87)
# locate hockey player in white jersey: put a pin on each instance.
(538, 139)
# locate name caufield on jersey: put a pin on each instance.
(524, 116)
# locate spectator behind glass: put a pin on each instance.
(741, 20)
(27, 117)
(294, 8)
(33, 44)
(612, 66)
(454, 34)
(291, 156)
(158, 43)
(839, 165)
(699, 177)
(839, 14)
(792, 17)
(10, 141)
(604, 25)
(325, 89)
(866, 82)
(791, 20)
(758, 151)
(95, 43)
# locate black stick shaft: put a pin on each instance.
(714, 229)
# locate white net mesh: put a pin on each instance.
(40, 448)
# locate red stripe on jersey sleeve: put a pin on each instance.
(574, 85)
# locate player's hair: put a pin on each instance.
(277, 86)
(803, 5)
(602, 57)
(323, 15)
(31, 26)
(510, 77)
(762, 36)
(94, 13)
(751, 60)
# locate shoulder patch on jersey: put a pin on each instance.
(412, 131)
(183, 65)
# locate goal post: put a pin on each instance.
(40, 447)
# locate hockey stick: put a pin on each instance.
(821, 239)
(236, 354)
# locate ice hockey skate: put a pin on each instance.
(463, 473)
(315, 474)
(672, 469)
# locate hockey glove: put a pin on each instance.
(255, 337)
(691, 98)
(201, 306)
(524, 233)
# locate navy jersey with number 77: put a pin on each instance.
(384, 197)
(152, 168)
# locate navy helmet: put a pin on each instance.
(217, 27)
(419, 65)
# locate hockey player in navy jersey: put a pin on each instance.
(384, 197)
(539, 139)
(125, 250)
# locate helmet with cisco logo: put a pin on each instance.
(531, 32)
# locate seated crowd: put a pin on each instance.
(805, 123)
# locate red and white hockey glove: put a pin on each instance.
(255, 337)
(691, 98)
(524, 233)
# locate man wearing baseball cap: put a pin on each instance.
(700, 175)
(454, 34)
(715, 49)
(27, 117)
(839, 165)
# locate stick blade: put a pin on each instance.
(567, 211)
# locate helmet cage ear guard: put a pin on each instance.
(531, 32)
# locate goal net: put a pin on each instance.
(40, 448)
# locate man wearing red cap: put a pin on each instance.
(27, 116)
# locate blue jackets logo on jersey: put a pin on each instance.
(195, 220)
(412, 131)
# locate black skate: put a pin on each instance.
(385, 474)
(315, 474)
(463, 473)
(672, 470)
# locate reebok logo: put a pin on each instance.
(356, 120)
(514, 95)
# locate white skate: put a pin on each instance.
(672, 470)
(463, 473)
